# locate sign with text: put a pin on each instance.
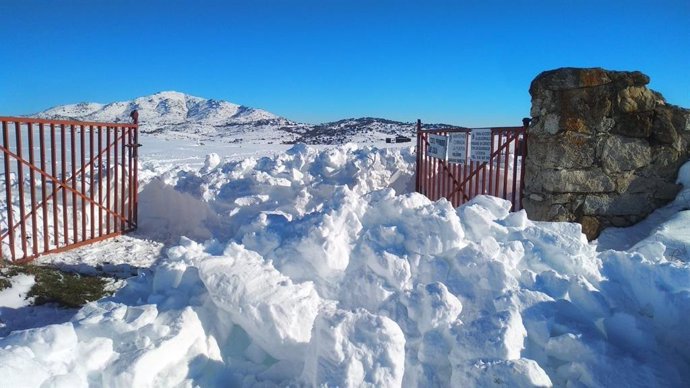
(457, 148)
(438, 146)
(480, 145)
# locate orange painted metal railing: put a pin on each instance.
(502, 176)
(67, 184)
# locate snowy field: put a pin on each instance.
(318, 266)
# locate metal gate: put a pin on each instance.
(66, 184)
(502, 176)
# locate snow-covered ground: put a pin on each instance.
(309, 266)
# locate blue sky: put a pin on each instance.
(460, 62)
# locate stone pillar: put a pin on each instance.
(603, 149)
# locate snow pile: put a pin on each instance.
(310, 269)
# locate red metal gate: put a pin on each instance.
(67, 184)
(502, 176)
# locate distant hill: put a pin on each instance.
(178, 115)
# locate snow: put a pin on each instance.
(321, 267)
(15, 296)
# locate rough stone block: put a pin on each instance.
(591, 227)
(625, 154)
(627, 204)
(663, 130)
(571, 150)
(577, 181)
(666, 191)
(636, 98)
(636, 124)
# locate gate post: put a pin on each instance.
(419, 157)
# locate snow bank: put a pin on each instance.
(316, 272)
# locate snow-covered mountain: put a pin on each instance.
(178, 115)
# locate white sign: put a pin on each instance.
(438, 145)
(457, 148)
(480, 145)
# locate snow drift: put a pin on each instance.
(310, 269)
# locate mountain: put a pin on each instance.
(177, 115)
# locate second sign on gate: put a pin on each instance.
(480, 145)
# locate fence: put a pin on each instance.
(471, 162)
(66, 184)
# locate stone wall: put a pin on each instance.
(603, 149)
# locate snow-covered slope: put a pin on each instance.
(177, 115)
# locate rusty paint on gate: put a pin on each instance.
(78, 161)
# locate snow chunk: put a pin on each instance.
(212, 161)
(355, 349)
(277, 313)
(432, 306)
(511, 373)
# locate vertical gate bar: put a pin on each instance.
(8, 189)
(449, 175)
(55, 185)
(463, 173)
(456, 173)
(20, 185)
(444, 173)
(430, 171)
(469, 183)
(453, 186)
(32, 192)
(136, 175)
(425, 168)
(438, 176)
(475, 179)
(491, 164)
(468, 161)
(525, 151)
(130, 177)
(91, 189)
(73, 152)
(434, 189)
(122, 196)
(440, 172)
(107, 179)
(100, 180)
(115, 181)
(42, 146)
(65, 217)
(505, 166)
(500, 170)
(418, 157)
(429, 167)
(497, 177)
(482, 181)
(432, 177)
(515, 164)
(442, 176)
(82, 168)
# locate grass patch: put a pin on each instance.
(55, 286)
(4, 283)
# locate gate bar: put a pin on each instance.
(8, 187)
